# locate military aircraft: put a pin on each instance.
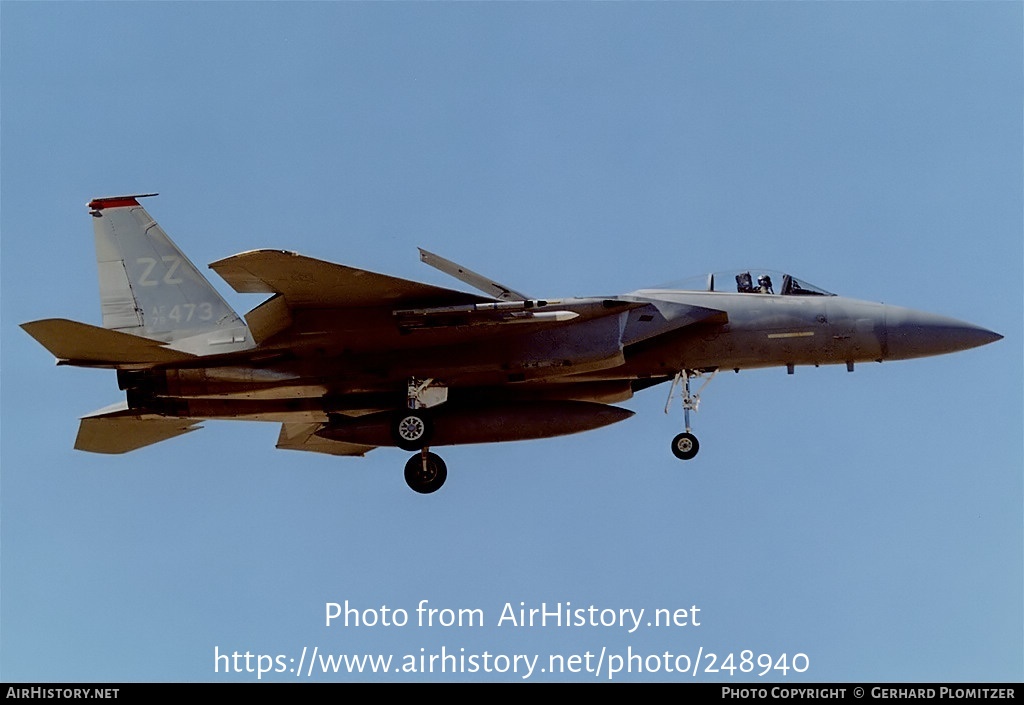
(347, 360)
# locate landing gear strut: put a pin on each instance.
(685, 445)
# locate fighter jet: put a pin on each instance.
(348, 360)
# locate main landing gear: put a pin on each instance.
(425, 472)
(685, 445)
(412, 429)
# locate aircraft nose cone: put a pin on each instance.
(918, 334)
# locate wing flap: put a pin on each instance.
(83, 343)
(308, 282)
(302, 436)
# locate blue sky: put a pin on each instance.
(872, 521)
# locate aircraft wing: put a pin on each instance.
(116, 429)
(302, 436)
(305, 282)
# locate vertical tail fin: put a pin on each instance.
(148, 287)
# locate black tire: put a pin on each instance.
(425, 476)
(412, 430)
(685, 446)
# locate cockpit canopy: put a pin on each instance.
(754, 281)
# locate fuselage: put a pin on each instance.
(360, 364)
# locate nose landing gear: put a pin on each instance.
(685, 445)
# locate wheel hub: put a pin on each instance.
(411, 428)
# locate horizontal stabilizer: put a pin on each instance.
(314, 283)
(83, 343)
(116, 430)
(301, 436)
